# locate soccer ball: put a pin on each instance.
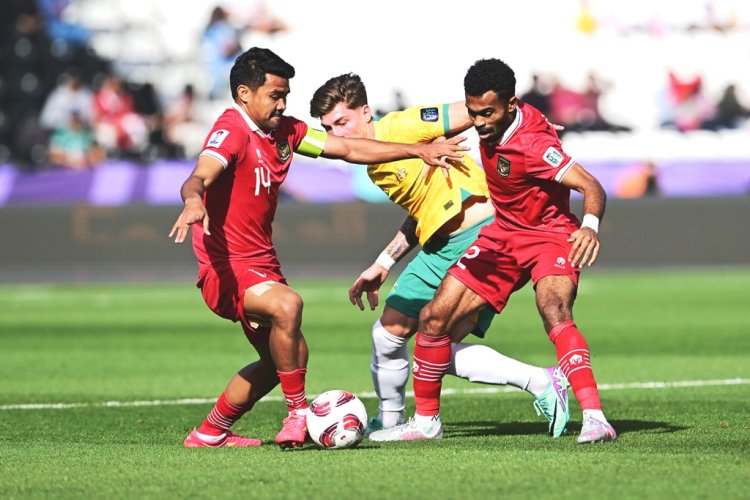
(337, 419)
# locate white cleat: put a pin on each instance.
(409, 431)
(596, 431)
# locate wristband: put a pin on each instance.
(385, 260)
(591, 221)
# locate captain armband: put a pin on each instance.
(313, 143)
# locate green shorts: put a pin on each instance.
(420, 279)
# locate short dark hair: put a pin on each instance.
(250, 68)
(347, 88)
(490, 74)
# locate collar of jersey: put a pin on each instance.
(513, 127)
(248, 120)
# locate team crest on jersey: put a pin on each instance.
(503, 166)
(401, 174)
(429, 114)
(553, 157)
(217, 138)
(284, 150)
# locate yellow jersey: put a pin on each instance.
(435, 200)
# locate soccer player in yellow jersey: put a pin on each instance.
(445, 214)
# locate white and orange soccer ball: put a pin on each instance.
(337, 419)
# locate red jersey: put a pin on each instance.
(524, 170)
(241, 202)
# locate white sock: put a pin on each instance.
(390, 372)
(597, 414)
(479, 363)
(427, 422)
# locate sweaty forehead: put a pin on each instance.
(275, 83)
(487, 100)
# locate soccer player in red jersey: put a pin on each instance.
(534, 237)
(230, 201)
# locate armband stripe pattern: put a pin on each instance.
(313, 143)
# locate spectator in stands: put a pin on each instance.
(537, 95)
(57, 26)
(116, 124)
(687, 107)
(179, 116)
(221, 46)
(591, 117)
(72, 145)
(730, 113)
(70, 96)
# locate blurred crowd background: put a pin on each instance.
(109, 101)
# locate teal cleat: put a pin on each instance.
(374, 424)
(553, 402)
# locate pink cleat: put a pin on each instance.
(294, 431)
(230, 440)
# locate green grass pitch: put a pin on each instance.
(81, 346)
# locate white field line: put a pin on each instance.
(369, 395)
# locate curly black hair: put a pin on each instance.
(490, 74)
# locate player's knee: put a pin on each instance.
(387, 345)
(288, 309)
(431, 323)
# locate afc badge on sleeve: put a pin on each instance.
(429, 114)
(217, 138)
(553, 157)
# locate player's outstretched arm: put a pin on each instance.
(585, 241)
(374, 276)
(206, 170)
(369, 151)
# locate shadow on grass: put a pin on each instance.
(485, 428)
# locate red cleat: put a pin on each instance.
(294, 431)
(230, 440)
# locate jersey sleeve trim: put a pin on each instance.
(446, 120)
(564, 170)
(313, 143)
(214, 154)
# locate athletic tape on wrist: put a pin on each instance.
(385, 260)
(591, 221)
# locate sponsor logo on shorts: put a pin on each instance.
(262, 275)
(282, 147)
(561, 262)
(553, 157)
(217, 138)
(429, 114)
(401, 174)
(448, 205)
(503, 166)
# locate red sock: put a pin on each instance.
(575, 361)
(223, 415)
(293, 387)
(432, 356)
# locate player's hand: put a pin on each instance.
(193, 212)
(369, 281)
(585, 247)
(440, 153)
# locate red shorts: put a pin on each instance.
(496, 264)
(223, 286)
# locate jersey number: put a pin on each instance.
(262, 178)
(471, 253)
